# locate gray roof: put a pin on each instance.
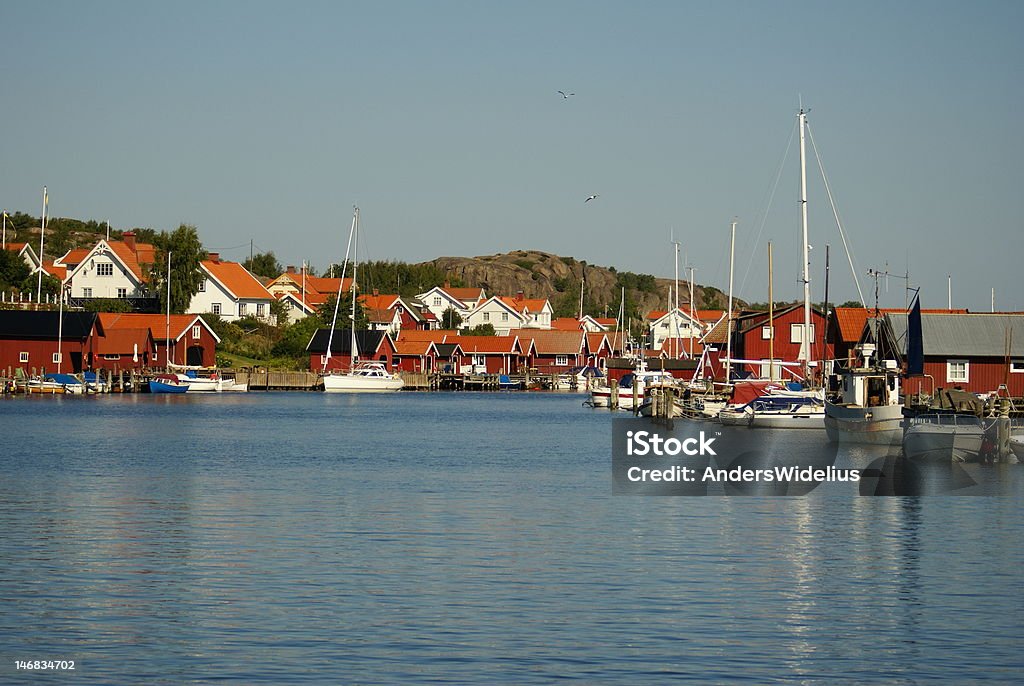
(959, 335)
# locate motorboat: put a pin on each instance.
(787, 412)
(946, 437)
(365, 377)
(630, 389)
(866, 406)
(167, 383)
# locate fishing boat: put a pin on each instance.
(167, 383)
(362, 377)
(944, 438)
(866, 407)
(206, 384)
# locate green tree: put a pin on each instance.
(13, 270)
(264, 264)
(451, 319)
(480, 330)
(295, 337)
(325, 313)
(186, 251)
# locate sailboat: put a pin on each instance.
(362, 377)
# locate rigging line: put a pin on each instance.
(835, 213)
(767, 210)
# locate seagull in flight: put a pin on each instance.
(590, 198)
(565, 95)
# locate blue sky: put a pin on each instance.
(268, 121)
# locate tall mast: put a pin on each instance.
(693, 315)
(42, 231)
(337, 298)
(675, 302)
(728, 327)
(771, 319)
(355, 270)
(805, 266)
(5, 229)
(167, 341)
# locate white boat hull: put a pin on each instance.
(789, 420)
(882, 425)
(1017, 446)
(935, 443)
(348, 383)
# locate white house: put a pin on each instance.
(230, 291)
(496, 312)
(110, 269)
(462, 300)
(535, 312)
(677, 323)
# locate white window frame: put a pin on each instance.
(111, 358)
(261, 309)
(202, 286)
(122, 292)
(766, 333)
(242, 307)
(561, 360)
(487, 316)
(950, 373)
(1017, 366)
(102, 267)
(504, 316)
(58, 358)
(479, 360)
(215, 308)
(22, 357)
(437, 301)
(796, 332)
(196, 331)
(86, 292)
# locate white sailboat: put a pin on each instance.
(363, 377)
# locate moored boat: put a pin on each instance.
(167, 383)
(866, 408)
(944, 438)
(365, 377)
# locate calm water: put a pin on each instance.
(302, 538)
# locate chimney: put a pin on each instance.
(447, 284)
(290, 269)
(375, 292)
(129, 239)
(519, 296)
(214, 257)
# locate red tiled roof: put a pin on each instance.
(526, 304)
(463, 293)
(74, 257)
(656, 314)
(850, 320)
(123, 341)
(156, 323)
(605, 321)
(407, 347)
(15, 247)
(565, 324)
(379, 315)
(487, 344)
(144, 254)
(551, 342)
(56, 271)
(236, 278)
(378, 302)
(434, 335)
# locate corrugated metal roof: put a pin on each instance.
(963, 335)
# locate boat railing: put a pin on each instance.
(947, 419)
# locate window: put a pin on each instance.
(196, 332)
(487, 316)
(796, 333)
(122, 292)
(57, 357)
(504, 316)
(260, 308)
(104, 269)
(766, 333)
(479, 360)
(23, 357)
(202, 286)
(241, 309)
(1017, 367)
(561, 360)
(86, 292)
(534, 317)
(156, 352)
(215, 308)
(112, 358)
(437, 301)
(957, 371)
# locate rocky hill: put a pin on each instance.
(539, 274)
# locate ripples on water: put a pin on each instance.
(301, 538)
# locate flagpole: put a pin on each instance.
(42, 231)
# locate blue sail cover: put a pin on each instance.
(915, 340)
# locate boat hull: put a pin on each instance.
(343, 383)
(789, 420)
(943, 444)
(167, 387)
(881, 425)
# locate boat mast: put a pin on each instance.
(693, 315)
(728, 327)
(771, 319)
(675, 303)
(337, 298)
(355, 270)
(167, 320)
(805, 345)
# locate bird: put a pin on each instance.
(565, 95)
(590, 198)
